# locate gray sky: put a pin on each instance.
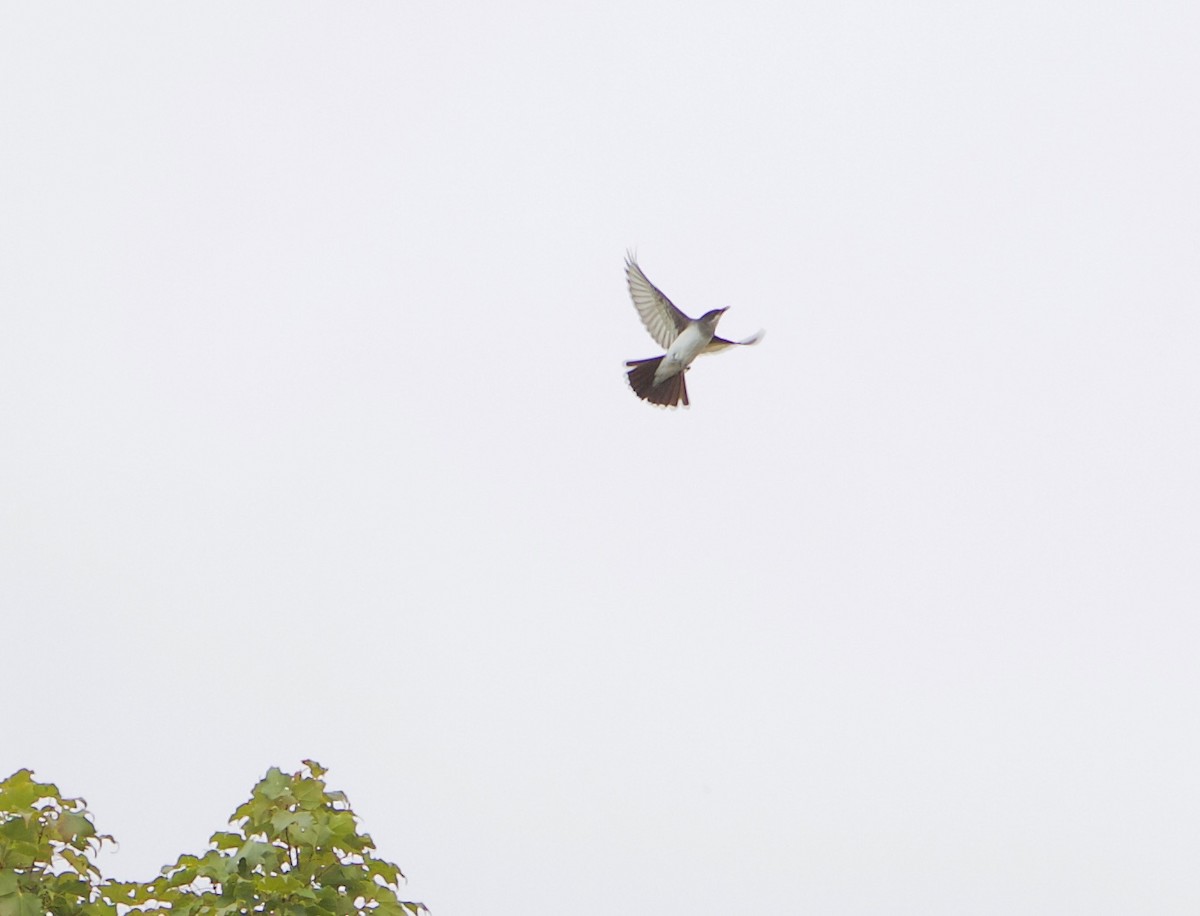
(317, 443)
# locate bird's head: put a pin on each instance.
(710, 319)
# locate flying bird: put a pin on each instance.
(659, 379)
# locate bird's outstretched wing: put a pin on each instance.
(720, 343)
(661, 318)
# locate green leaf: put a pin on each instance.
(73, 828)
(8, 882)
(79, 862)
(126, 892)
(22, 854)
(321, 833)
(215, 867)
(279, 885)
(184, 876)
(347, 878)
(21, 903)
(345, 831)
(385, 894)
(225, 840)
(275, 785)
(20, 830)
(398, 909)
(297, 824)
(385, 870)
(258, 855)
(183, 865)
(315, 768)
(20, 791)
(67, 885)
(309, 793)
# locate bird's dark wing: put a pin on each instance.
(720, 343)
(661, 318)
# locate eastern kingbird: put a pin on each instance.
(659, 380)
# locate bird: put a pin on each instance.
(660, 379)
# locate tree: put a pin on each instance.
(293, 849)
(46, 843)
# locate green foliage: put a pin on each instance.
(293, 849)
(46, 842)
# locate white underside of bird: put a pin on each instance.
(659, 380)
(687, 347)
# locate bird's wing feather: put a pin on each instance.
(661, 318)
(720, 343)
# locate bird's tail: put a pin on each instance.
(668, 393)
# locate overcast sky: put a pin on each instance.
(316, 443)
